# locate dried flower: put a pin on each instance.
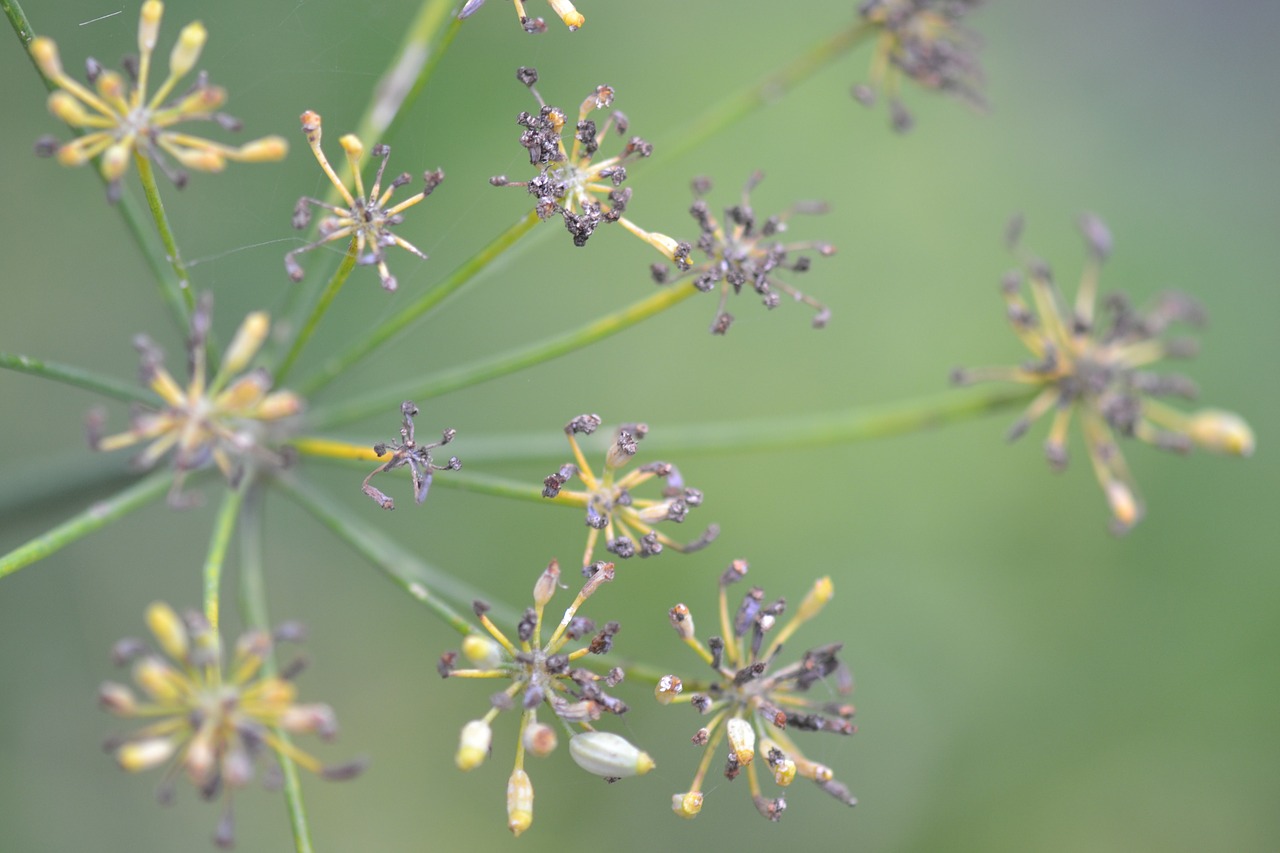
(1099, 372)
(366, 219)
(119, 119)
(748, 253)
(572, 17)
(753, 707)
(542, 674)
(923, 40)
(213, 724)
(584, 193)
(220, 420)
(627, 521)
(416, 456)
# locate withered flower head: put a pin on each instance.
(220, 419)
(407, 452)
(570, 182)
(628, 521)
(1098, 369)
(119, 119)
(925, 41)
(754, 703)
(211, 723)
(743, 250)
(564, 8)
(544, 675)
(366, 219)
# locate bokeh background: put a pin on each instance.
(1025, 681)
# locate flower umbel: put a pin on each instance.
(407, 452)
(366, 219)
(922, 40)
(119, 118)
(572, 17)
(570, 183)
(220, 419)
(746, 252)
(213, 723)
(627, 521)
(755, 707)
(544, 675)
(1098, 370)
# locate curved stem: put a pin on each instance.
(405, 79)
(253, 605)
(401, 566)
(322, 305)
(335, 366)
(183, 296)
(223, 527)
(503, 363)
(96, 516)
(104, 385)
(766, 91)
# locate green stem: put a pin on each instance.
(253, 603)
(97, 515)
(795, 432)
(405, 79)
(322, 305)
(183, 296)
(503, 363)
(401, 566)
(335, 366)
(768, 90)
(88, 380)
(223, 527)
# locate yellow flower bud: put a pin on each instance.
(45, 52)
(149, 25)
(169, 630)
(144, 754)
(268, 149)
(519, 802)
(568, 13)
(245, 345)
(817, 598)
(352, 145)
(1222, 432)
(1125, 508)
(115, 160)
(687, 805)
(186, 53)
(484, 652)
(473, 746)
(742, 740)
(65, 107)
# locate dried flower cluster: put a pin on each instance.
(628, 521)
(367, 220)
(210, 723)
(544, 676)
(743, 251)
(1099, 370)
(924, 41)
(571, 183)
(119, 119)
(755, 704)
(408, 453)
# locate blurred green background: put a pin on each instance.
(1025, 680)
